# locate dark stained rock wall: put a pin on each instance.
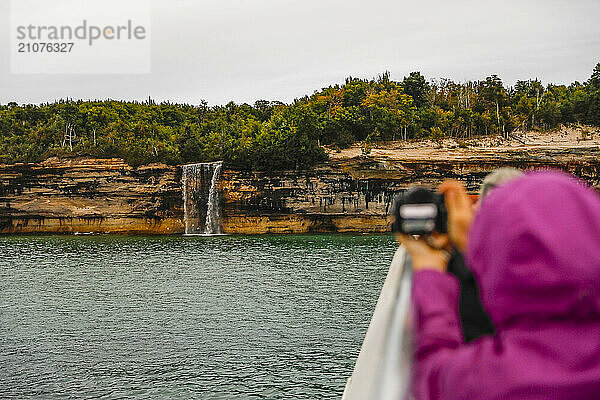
(89, 195)
(349, 195)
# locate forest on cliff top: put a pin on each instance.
(271, 135)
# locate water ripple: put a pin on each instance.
(118, 317)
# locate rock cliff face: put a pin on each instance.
(89, 195)
(323, 200)
(353, 195)
(345, 195)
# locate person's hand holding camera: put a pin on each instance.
(460, 213)
(424, 236)
(427, 253)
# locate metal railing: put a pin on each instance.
(383, 367)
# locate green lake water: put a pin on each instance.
(174, 317)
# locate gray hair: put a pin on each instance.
(496, 178)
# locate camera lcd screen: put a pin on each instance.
(418, 211)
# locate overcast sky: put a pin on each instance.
(244, 50)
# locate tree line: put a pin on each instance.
(271, 135)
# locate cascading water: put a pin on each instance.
(201, 198)
(213, 212)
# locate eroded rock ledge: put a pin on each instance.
(89, 195)
(345, 195)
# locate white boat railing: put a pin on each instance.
(383, 367)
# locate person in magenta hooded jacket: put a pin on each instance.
(534, 247)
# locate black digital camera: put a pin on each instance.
(419, 211)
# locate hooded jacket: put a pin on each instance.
(535, 251)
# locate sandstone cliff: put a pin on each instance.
(350, 193)
(89, 195)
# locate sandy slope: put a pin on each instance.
(565, 142)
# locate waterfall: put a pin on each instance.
(213, 213)
(201, 198)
